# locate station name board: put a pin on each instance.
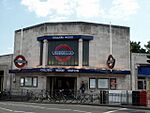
(62, 37)
(59, 70)
(69, 70)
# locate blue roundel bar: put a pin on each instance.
(144, 70)
(65, 37)
(62, 53)
(68, 70)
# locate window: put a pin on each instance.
(141, 84)
(35, 82)
(28, 81)
(85, 53)
(92, 83)
(63, 52)
(41, 52)
(103, 83)
(22, 82)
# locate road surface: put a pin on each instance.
(22, 107)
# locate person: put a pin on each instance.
(82, 88)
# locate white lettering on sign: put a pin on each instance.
(62, 53)
(62, 37)
(60, 70)
(46, 70)
(73, 70)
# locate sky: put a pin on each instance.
(17, 14)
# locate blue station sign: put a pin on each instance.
(144, 71)
(68, 70)
(64, 37)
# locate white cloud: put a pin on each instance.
(88, 8)
(40, 8)
(81, 9)
(123, 9)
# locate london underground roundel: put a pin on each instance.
(20, 61)
(110, 62)
(63, 53)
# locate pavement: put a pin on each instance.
(123, 106)
(114, 105)
(131, 106)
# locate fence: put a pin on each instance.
(109, 97)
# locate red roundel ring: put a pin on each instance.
(64, 46)
(20, 61)
(110, 62)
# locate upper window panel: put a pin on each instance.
(63, 52)
(85, 57)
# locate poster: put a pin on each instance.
(113, 83)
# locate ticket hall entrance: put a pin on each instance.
(65, 84)
(1, 80)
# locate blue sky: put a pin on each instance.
(15, 14)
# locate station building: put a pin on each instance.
(5, 65)
(61, 55)
(140, 67)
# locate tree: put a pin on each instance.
(135, 47)
(147, 47)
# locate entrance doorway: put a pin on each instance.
(1, 80)
(55, 84)
(64, 83)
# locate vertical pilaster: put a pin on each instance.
(45, 53)
(40, 43)
(80, 51)
(133, 75)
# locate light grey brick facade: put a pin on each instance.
(140, 60)
(5, 77)
(26, 44)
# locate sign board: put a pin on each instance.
(68, 70)
(110, 62)
(20, 61)
(63, 52)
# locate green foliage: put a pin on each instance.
(147, 47)
(135, 47)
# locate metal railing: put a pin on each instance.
(111, 97)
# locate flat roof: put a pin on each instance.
(6, 55)
(74, 22)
